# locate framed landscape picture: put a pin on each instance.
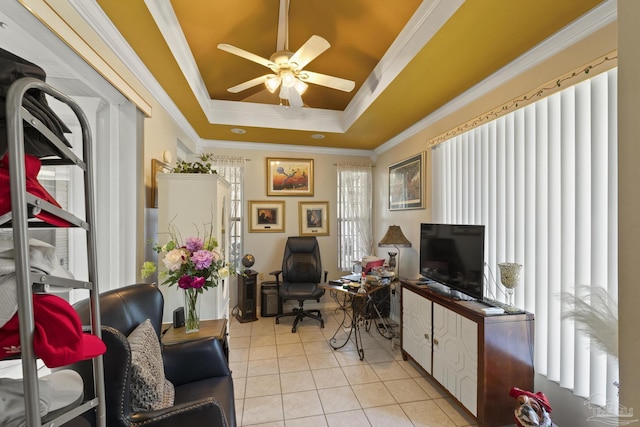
(406, 183)
(266, 216)
(313, 218)
(289, 177)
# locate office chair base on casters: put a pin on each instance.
(300, 314)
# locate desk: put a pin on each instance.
(208, 329)
(357, 309)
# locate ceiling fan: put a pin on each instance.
(288, 68)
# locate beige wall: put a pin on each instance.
(161, 134)
(629, 202)
(269, 247)
(408, 220)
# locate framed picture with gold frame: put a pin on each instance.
(157, 167)
(289, 177)
(313, 218)
(266, 216)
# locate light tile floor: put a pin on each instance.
(297, 379)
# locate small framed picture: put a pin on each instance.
(406, 186)
(157, 167)
(289, 177)
(266, 216)
(314, 218)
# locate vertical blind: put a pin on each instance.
(543, 180)
(355, 230)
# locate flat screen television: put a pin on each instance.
(453, 255)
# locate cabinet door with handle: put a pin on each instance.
(417, 328)
(455, 355)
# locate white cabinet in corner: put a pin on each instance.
(190, 202)
(455, 355)
(416, 330)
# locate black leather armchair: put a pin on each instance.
(301, 277)
(198, 369)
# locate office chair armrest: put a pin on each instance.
(326, 273)
(276, 273)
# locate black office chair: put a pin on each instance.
(301, 277)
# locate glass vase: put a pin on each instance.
(191, 311)
(510, 276)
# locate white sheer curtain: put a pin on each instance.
(232, 169)
(543, 179)
(355, 230)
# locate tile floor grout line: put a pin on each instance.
(342, 363)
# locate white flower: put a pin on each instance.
(223, 272)
(174, 259)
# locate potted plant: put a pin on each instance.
(203, 165)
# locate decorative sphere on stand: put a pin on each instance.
(248, 260)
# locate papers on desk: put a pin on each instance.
(371, 279)
(356, 277)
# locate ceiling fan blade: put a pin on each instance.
(248, 55)
(249, 84)
(309, 51)
(325, 80)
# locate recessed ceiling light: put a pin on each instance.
(238, 131)
(317, 136)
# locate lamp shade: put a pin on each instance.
(272, 83)
(394, 237)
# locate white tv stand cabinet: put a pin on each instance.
(476, 358)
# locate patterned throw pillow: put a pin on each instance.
(149, 388)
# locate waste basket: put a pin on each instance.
(271, 302)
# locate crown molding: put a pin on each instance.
(94, 15)
(252, 114)
(423, 25)
(286, 148)
(105, 29)
(232, 112)
(596, 19)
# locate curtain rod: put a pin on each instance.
(369, 165)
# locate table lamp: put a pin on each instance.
(395, 238)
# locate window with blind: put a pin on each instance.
(354, 214)
(543, 180)
(232, 169)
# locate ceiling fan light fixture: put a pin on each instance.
(300, 86)
(288, 79)
(284, 92)
(272, 83)
(287, 67)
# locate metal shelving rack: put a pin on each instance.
(24, 205)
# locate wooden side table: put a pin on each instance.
(208, 328)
